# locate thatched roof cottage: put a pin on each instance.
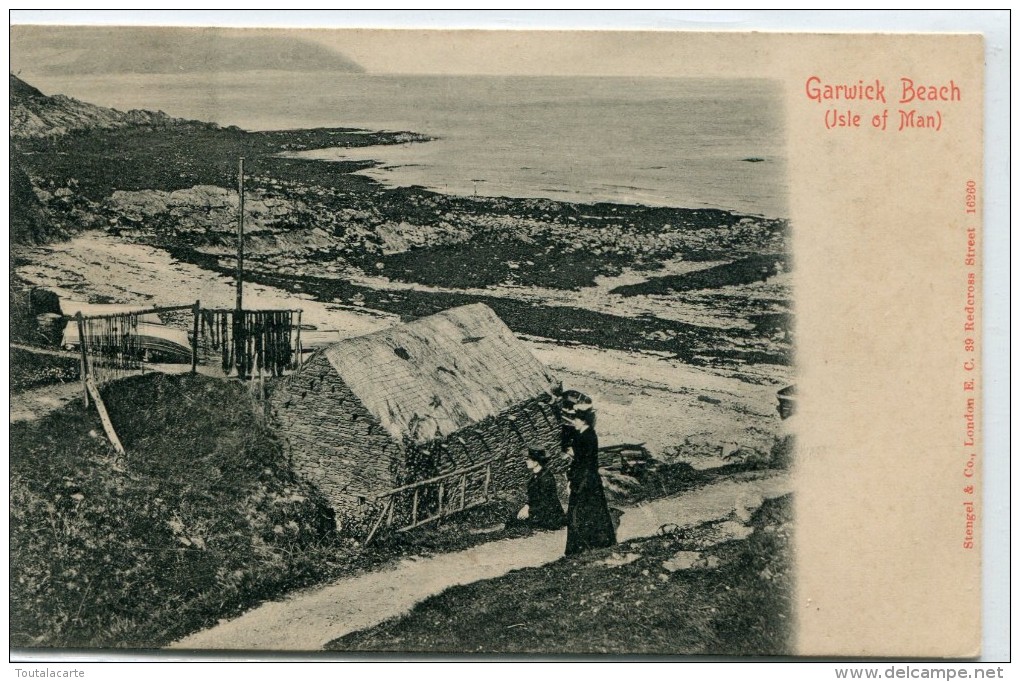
(414, 401)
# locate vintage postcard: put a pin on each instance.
(495, 342)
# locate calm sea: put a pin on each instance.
(668, 142)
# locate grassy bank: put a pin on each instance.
(638, 598)
(200, 519)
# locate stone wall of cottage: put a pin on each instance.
(331, 439)
(505, 438)
(334, 442)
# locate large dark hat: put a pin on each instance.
(538, 455)
(575, 400)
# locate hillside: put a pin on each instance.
(108, 50)
(29, 222)
(34, 114)
(202, 516)
(723, 587)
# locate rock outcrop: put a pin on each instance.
(34, 114)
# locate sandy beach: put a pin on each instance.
(633, 390)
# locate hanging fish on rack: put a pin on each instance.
(258, 343)
(252, 342)
(226, 342)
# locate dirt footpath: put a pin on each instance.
(307, 620)
(38, 402)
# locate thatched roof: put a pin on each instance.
(429, 378)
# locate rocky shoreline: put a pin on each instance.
(317, 228)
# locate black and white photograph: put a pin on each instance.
(310, 352)
(493, 344)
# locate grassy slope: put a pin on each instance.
(201, 518)
(29, 223)
(580, 605)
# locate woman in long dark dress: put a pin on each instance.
(589, 524)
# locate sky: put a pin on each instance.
(501, 53)
(69, 50)
(87, 50)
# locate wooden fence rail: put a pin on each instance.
(155, 310)
(433, 498)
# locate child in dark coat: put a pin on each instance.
(543, 509)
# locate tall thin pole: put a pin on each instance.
(84, 356)
(196, 311)
(238, 326)
(240, 231)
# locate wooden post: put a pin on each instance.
(104, 417)
(414, 508)
(240, 231)
(194, 339)
(240, 345)
(237, 338)
(371, 533)
(488, 476)
(463, 490)
(297, 343)
(84, 356)
(442, 488)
